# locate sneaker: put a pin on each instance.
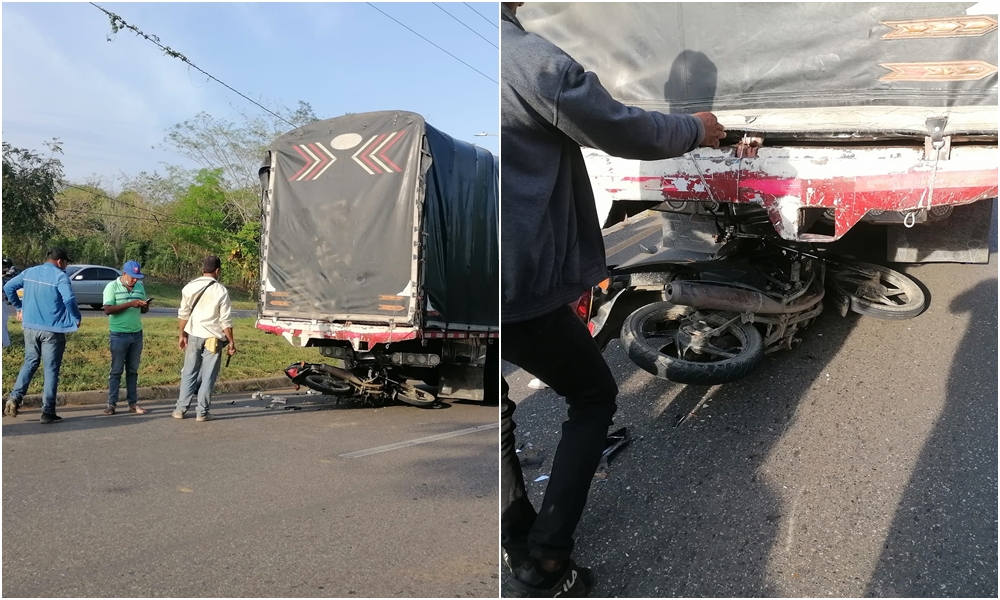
(135, 408)
(531, 582)
(110, 410)
(177, 414)
(10, 408)
(50, 418)
(204, 417)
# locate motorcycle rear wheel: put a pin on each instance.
(649, 336)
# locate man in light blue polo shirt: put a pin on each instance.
(125, 303)
(48, 313)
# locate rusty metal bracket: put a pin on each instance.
(747, 147)
(937, 145)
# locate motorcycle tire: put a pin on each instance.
(907, 299)
(649, 356)
(415, 396)
(329, 385)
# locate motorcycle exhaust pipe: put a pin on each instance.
(700, 295)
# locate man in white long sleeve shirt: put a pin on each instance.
(205, 329)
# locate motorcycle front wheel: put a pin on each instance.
(878, 291)
(683, 345)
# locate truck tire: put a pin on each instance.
(659, 355)
(895, 297)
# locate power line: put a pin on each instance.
(464, 25)
(119, 23)
(481, 15)
(163, 218)
(117, 200)
(103, 214)
(433, 44)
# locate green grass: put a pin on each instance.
(88, 359)
(168, 295)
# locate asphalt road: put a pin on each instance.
(255, 503)
(161, 312)
(862, 463)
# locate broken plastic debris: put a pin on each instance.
(537, 384)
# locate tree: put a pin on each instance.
(30, 183)
(235, 151)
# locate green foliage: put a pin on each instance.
(169, 222)
(30, 183)
(202, 208)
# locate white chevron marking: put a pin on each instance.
(374, 152)
(355, 157)
(332, 159)
(313, 166)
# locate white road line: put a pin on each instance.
(645, 233)
(634, 219)
(423, 440)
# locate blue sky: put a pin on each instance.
(110, 103)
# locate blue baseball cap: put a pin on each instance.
(132, 269)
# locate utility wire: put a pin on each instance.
(162, 217)
(433, 44)
(464, 25)
(481, 15)
(119, 23)
(117, 200)
(103, 214)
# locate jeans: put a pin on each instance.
(558, 349)
(201, 368)
(125, 351)
(45, 347)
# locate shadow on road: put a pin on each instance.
(958, 461)
(691, 497)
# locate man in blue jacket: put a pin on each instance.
(552, 251)
(48, 313)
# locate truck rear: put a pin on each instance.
(837, 113)
(380, 248)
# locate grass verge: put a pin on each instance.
(88, 358)
(168, 295)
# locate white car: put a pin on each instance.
(88, 283)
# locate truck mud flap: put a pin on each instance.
(459, 382)
(962, 237)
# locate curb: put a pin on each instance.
(158, 392)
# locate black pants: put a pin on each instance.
(557, 349)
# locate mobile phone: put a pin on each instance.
(150, 299)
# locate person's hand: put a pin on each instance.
(19, 316)
(137, 304)
(231, 349)
(182, 342)
(78, 323)
(714, 131)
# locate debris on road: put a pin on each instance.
(529, 457)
